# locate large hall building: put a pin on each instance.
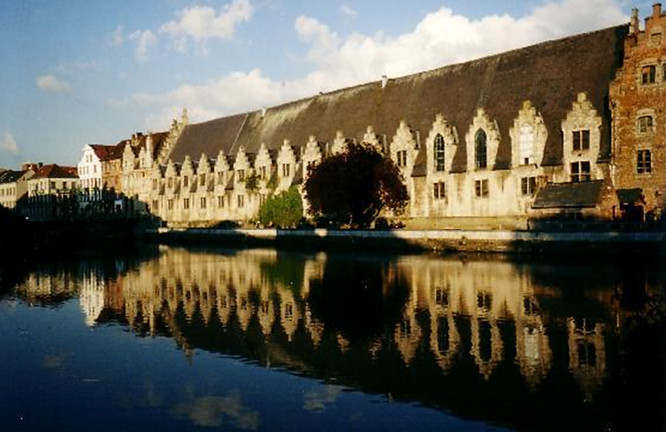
(568, 128)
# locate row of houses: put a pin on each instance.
(571, 128)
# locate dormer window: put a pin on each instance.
(402, 158)
(262, 173)
(481, 150)
(581, 140)
(645, 124)
(240, 174)
(526, 145)
(285, 170)
(185, 181)
(202, 180)
(438, 152)
(648, 74)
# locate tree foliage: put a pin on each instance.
(354, 186)
(283, 210)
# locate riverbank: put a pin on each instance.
(446, 241)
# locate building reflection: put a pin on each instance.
(488, 314)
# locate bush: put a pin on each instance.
(283, 210)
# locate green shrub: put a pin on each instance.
(283, 210)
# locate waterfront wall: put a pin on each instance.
(437, 240)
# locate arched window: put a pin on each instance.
(439, 153)
(481, 149)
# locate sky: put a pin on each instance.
(77, 72)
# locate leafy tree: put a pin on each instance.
(355, 186)
(283, 210)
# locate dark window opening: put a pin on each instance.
(481, 150)
(644, 162)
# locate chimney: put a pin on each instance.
(633, 25)
(384, 81)
(656, 10)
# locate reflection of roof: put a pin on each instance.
(56, 171)
(630, 196)
(569, 195)
(550, 75)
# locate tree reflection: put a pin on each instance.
(361, 299)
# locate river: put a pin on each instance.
(173, 339)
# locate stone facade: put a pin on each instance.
(477, 140)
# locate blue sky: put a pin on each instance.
(76, 72)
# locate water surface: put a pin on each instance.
(178, 339)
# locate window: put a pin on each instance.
(203, 202)
(154, 184)
(220, 201)
(170, 204)
(240, 174)
(202, 180)
(220, 177)
(648, 74)
(528, 185)
(186, 181)
(402, 158)
(241, 201)
(186, 203)
(155, 204)
(645, 124)
(262, 172)
(644, 162)
(663, 67)
(481, 188)
(580, 172)
(285, 170)
(170, 182)
(581, 140)
(526, 144)
(439, 153)
(439, 190)
(481, 150)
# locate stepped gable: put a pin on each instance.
(208, 138)
(550, 75)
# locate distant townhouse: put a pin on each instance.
(53, 179)
(14, 186)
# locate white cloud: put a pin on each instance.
(441, 38)
(144, 40)
(201, 23)
(52, 84)
(8, 143)
(348, 11)
(118, 37)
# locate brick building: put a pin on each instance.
(638, 102)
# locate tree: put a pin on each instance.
(354, 186)
(283, 210)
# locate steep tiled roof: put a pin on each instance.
(550, 75)
(569, 195)
(56, 171)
